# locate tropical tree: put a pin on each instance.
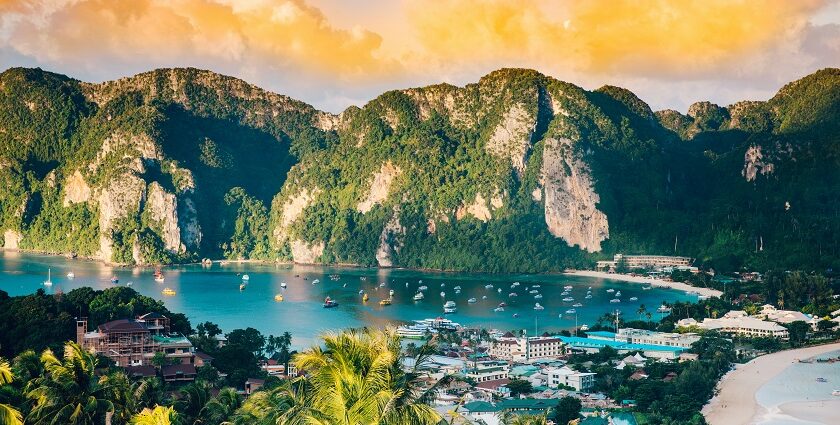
(69, 392)
(511, 418)
(8, 414)
(191, 401)
(221, 407)
(160, 415)
(288, 403)
(147, 393)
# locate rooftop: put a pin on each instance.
(575, 341)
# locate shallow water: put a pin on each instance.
(212, 294)
(798, 383)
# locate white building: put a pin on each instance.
(739, 323)
(641, 336)
(487, 371)
(580, 381)
(514, 349)
(646, 261)
(768, 312)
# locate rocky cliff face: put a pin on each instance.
(517, 171)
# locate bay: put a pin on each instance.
(213, 294)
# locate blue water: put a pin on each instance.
(798, 382)
(212, 294)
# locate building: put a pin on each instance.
(598, 340)
(645, 262)
(274, 368)
(737, 322)
(487, 371)
(641, 336)
(521, 349)
(580, 381)
(768, 312)
(253, 385)
(133, 343)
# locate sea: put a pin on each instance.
(811, 381)
(212, 293)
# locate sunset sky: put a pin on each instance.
(335, 53)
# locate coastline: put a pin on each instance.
(680, 286)
(735, 402)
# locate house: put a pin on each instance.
(252, 385)
(494, 387)
(178, 373)
(480, 411)
(487, 371)
(638, 375)
(580, 381)
(528, 406)
(737, 322)
(522, 349)
(274, 368)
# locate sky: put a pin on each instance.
(337, 53)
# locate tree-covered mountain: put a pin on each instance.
(517, 172)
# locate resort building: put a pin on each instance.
(132, 343)
(487, 371)
(641, 336)
(598, 340)
(512, 348)
(768, 312)
(645, 262)
(580, 381)
(739, 323)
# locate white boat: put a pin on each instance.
(618, 294)
(584, 327)
(571, 311)
(48, 282)
(515, 284)
(484, 297)
(71, 275)
(316, 281)
(458, 288)
(443, 294)
(442, 285)
(499, 309)
(538, 297)
(488, 286)
(472, 300)
(588, 289)
(449, 310)
(499, 290)
(513, 294)
(418, 296)
(245, 277)
(568, 287)
(361, 291)
(282, 284)
(615, 300)
(242, 286)
(537, 306)
(423, 288)
(535, 286)
(564, 293)
(634, 298)
(533, 291)
(391, 292)
(836, 393)
(568, 299)
(663, 309)
(577, 305)
(610, 290)
(381, 284)
(588, 296)
(457, 291)
(449, 304)
(647, 288)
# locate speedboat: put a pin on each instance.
(115, 280)
(365, 298)
(386, 301)
(449, 304)
(442, 294)
(499, 309)
(647, 288)
(484, 297)
(537, 306)
(515, 315)
(821, 379)
(634, 298)
(457, 291)
(488, 286)
(382, 284)
(577, 305)
(515, 284)
(615, 300)
(588, 289)
(571, 311)
(48, 282)
(442, 285)
(564, 293)
(618, 294)
(278, 297)
(391, 292)
(316, 281)
(538, 297)
(610, 290)
(499, 290)
(71, 275)
(457, 288)
(168, 291)
(242, 286)
(568, 299)
(533, 291)
(361, 291)
(584, 327)
(282, 284)
(329, 303)
(663, 309)
(423, 288)
(502, 305)
(449, 310)
(406, 284)
(246, 278)
(588, 296)
(535, 286)
(472, 300)
(568, 287)
(513, 294)
(418, 296)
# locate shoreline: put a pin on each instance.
(680, 286)
(735, 402)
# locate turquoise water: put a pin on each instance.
(798, 382)
(212, 294)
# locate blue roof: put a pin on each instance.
(602, 334)
(581, 342)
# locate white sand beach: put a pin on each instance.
(736, 404)
(706, 292)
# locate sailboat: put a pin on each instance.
(48, 282)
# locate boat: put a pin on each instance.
(423, 288)
(499, 309)
(245, 277)
(418, 296)
(329, 303)
(535, 286)
(128, 284)
(484, 297)
(835, 393)
(615, 300)
(488, 286)
(499, 290)
(537, 306)
(533, 291)
(449, 310)
(365, 298)
(588, 296)
(647, 288)
(449, 304)
(406, 284)
(71, 275)
(159, 278)
(610, 290)
(515, 315)
(472, 300)
(48, 282)
(457, 288)
(569, 287)
(618, 294)
(115, 280)
(361, 291)
(442, 294)
(442, 285)
(391, 293)
(634, 298)
(584, 327)
(282, 284)
(168, 291)
(571, 311)
(513, 294)
(502, 305)
(588, 289)
(411, 332)
(538, 297)
(564, 293)
(663, 309)
(382, 284)
(242, 286)
(386, 301)
(278, 297)
(577, 305)
(568, 299)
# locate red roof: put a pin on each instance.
(508, 335)
(494, 384)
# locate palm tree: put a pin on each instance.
(357, 378)
(510, 418)
(191, 401)
(221, 407)
(8, 414)
(69, 392)
(641, 311)
(118, 390)
(147, 393)
(160, 415)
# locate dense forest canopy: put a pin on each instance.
(517, 172)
